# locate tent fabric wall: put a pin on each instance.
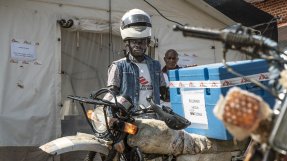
(93, 16)
(192, 50)
(30, 115)
(85, 62)
(30, 93)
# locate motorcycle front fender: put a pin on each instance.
(79, 142)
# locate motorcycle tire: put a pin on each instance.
(136, 155)
(91, 156)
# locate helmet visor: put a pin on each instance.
(136, 20)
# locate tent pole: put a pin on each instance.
(110, 30)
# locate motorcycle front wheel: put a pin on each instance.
(95, 156)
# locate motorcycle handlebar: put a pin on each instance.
(228, 37)
(171, 119)
(91, 101)
(99, 102)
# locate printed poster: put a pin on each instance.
(193, 103)
(23, 51)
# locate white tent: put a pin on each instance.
(76, 59)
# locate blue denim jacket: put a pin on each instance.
(129, 75)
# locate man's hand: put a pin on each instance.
(111, 121)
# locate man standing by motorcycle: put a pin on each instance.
(137, 75)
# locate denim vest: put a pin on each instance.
(129, 74)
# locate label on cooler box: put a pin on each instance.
(193, 103)
(219, 83)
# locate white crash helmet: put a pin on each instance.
(135, 24)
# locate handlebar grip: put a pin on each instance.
(199, 32)
(172, 120)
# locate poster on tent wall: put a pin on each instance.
(23, 51)
(185, 60)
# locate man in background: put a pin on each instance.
(170, 59)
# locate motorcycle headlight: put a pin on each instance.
(98, 121)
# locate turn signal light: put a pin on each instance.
(130, 128)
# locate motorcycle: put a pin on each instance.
(245, 114)
(114, 120)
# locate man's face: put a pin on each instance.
(138, 47)
(171, 60)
